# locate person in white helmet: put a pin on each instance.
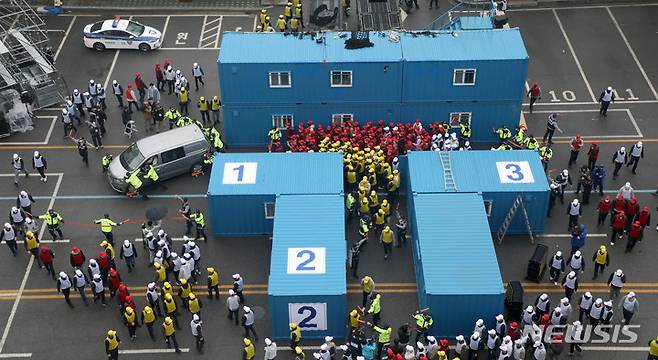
(565, 307)
(606, 97)
(577, 262)
(117, 90)
(233, 306)
(79, 283)
(575, 337)
(627, 192)
(88, 101)
(619, 158)
(585, 305)
(616, 282)
(128, 252)
(540, 351)
(64, 285)
(18, 165)
(629, 306)
(78, 101)
(198, 73)
(8, 234)
(474, 343)
(574, 210)
(170, 77)
(195, 327)
(637, 152)
(238, 286)
(556, 266)
(17, 219)
(518, 353)
(542, 305)
(40, 164)
(100, 97)
(24, 201)
(563, 180)
(248, 320)
(270, 349)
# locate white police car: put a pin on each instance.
(121, 34)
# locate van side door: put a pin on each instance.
(173, 162)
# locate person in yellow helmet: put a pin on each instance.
(294, 25)
(287, 11)
(109, 251)
(112, 342)
(32, 246)
(213, 283)
(267, 26)
(170, 333)
(386, 238)
(183, 101)
(160, 273)
(248, 352)
(281, 23)
(131, 321)
(194, 304)
(354, 321)
(653, 349)
(262, 16)
(299, 15)
(171, 310)
(367, 287)
(215, 107)
(148, 318)
(204, 107)
(295, 335)
(299, 354)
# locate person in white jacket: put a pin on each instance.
(270, 349)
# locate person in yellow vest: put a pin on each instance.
(148, 318)
(294, 24)
(350, 175)
(106, 227)
(287, 11)
(204, 107)
(387, 240)
(262, 16)
(295, 335)
(267, 26)
(213, 283)
(194, 305)
(171, 310)
(364, 206)
(200, 222)
(170, 333)
(364, 185)
(299, 354)
(131, 321)
(183, 101)
(383, 337)
(374, 200)
(653, 349)
(354, 321)
(215, 107)
(32, 246)
(109, 250)
(160, 275)
(184, 291)
(372, 177)
(376, 308)
(166, 289)
(248, 352)
(380, 221)
(386, 207)
(112, 342)
(281, 23)
(151, 175)
(367, 287)
(299, 15)
(601, 260)
(133, 180)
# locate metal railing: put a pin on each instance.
(464, 8)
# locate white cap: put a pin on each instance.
(529, 308)
(97, 276)
(543, 296)
(236, 276)
(564, 300)
(500, 317)
(576, 323)
(196, 317)
(409, 348)
(324, 347)
(507, 339)
(619, 272)
(15, 156)
(114, 82)
(577, 253)
(565, 172)
(187, 256)
(149, 234)
(519, 342)
(622, 149)
(192, 244)
(78, 272)
(246, 308)
(328, 338)
(75, 91)
(99, 86)
(86, 93)
(91, 81)
(479, 322)
(503, 349)
(195, 65)
(572, 274)
(126, 242)
(231, 292)
(64, 111)
(558, 253)
(420, 345)
(151, 285)
(608, 303)
(62, 275)
(185, 238)
(14, 209)
(158, 253)
(639, 144)
(631, 294)
(492, 332)
(588, 294)
(431, 339)
(558, 309)
(28, 220)
(343, 347)
(598, 301)
(161, 232)
(609, 88)
(7, 225)
(174, 255)
(538, 344)
(459, 338)
(92, 261)
(177, 71)
(476, 335)
(161, 243)
(575, 201)
(183, 261)
(36, 153)
(268, 342)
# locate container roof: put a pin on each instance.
(455, 245)
(296, 226)
(249, 47)
(478, 171)
(276, 173)
(471, 45)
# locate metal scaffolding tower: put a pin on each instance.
(26, 57)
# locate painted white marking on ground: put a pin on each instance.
(573, 53)
(631, 118)
(109, 74)
(615, 348)
(568, 235)
(287, 348)
(164, 28)
(66, 35)
(17, 301)
(15, 355)
(189, 48)
(45, 142)
(172, 239)
(203, 29)
(152, 351)
(255, 22)
(630, 49)
(58, 241)
(595, 103)
(580, 7)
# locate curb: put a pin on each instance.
(543, 3)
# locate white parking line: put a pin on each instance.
(630, 49)
(615, 348)
(594, 102)
(581, 7)
(573, 53)
(631, 118)
(203, 29)
(53, 120)
(60, 241)
(17, 301)
(15, 355)
(66, 35)
(569, 235)
(164, 28)
(210, 31)
(152, 351)
(189, 48)
(172, 239)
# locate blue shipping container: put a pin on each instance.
(499, 176)
(457, 271)
(242, 188)
(307, 283)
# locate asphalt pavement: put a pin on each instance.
(574, 55)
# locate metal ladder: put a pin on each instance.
(448, 179)
(500, 234)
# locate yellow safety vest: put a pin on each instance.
(287, 11)
(653, 347)
(375, 307)
(364, 206)
(386, 208)
(152, 174)
(374, 200)
(168, 329)
(367, 286)
(262, 17)
(31, 242)
(296, 334)
(601, 258)
(166, 291)
(112, 343)
(281, 24)
(354, 320)
(214, 279)
(134, 180)
(106, 224)
(294, 23)
(149, 316)
(183, 96)
(250, 351)
(379, 219)
(387, 236)
(130, 318)
(50, 220)
(198, 219)
(215, 106)
(203, 105)
(351, 175)
(111, 249)
(194, 306)
(170, 306)
(384, 334)
(185, 291)
(298, 12)
(160, 274)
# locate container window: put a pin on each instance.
(488, 205)
(174, 154)
(457, 118)
(464, 77)
(269, 210)
(280, 79)
(340, 118)
(281, 121)
(341, 79)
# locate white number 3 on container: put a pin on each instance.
(239, 173)
(306, 260)
(514, 172)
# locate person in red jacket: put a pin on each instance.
(159, 77)
(604, 209)
(141, 87)
(104, 264)
(644, 217)
(131, 98)
(443, 346)
(122, 294)
(592, 155)
(634, 235)
(47, 256)
(618, 224)
(619, 204)
(576, 145)
(114, 280)
(534, 94)
(632, 209)
(128, 302)
(77, 258)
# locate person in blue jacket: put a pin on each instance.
(578, 237)
(368, 349)
(598, 178)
